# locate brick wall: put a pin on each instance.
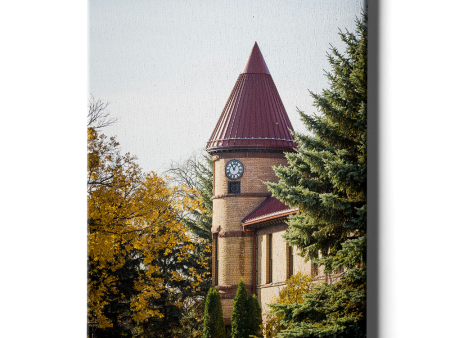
(300, 265)
(227, 308)
(235, 254)
(235, 260)
(267, 293)
(228, 212)
(278, 257)
(256, 170)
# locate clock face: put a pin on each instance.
(234, 169)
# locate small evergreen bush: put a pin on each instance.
(213, 324)
(246, 316)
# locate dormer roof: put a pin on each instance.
(254, 116)
(271, 208)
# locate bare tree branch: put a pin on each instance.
(185, 172)
(98, 117)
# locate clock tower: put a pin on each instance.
(250, 138)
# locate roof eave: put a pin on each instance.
(248, 224)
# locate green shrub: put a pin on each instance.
(213, 324)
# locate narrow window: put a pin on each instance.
(234, 187)
(269, 262)
(314, 269)
(291, 261)
(216, 263)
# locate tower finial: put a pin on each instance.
(256, 63)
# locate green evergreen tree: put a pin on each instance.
(239, 318)
(254, 316)
(213, 324)
(326, 179)
(246, 317)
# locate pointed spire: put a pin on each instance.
(254, 116)
(256, 63)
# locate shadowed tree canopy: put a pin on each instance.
(326, 179)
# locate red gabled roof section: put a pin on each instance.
(256, 63)
(254, 115)
(269, 209)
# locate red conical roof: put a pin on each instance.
(254, 116)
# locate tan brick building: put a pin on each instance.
(251, 137)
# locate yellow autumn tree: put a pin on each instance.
(133, 217)
(296, 286)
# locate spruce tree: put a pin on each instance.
(213, 324)
(326, 179)
(239, 318)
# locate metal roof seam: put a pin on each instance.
(233, 107)
(256, 125)
(230, 116)
(286, 121)
(244, 100)
(219, 124)
(240, 101)
(261, 111)
(274, 95)
(230, 120)
(270, 119)
(269, 116)
(273, 106)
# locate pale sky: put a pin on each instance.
(167, 67)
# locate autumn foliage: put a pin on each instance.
(133, 220)
(296, 287)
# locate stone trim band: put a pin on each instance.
(225, 234)
(227, 287)
(248, 194)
